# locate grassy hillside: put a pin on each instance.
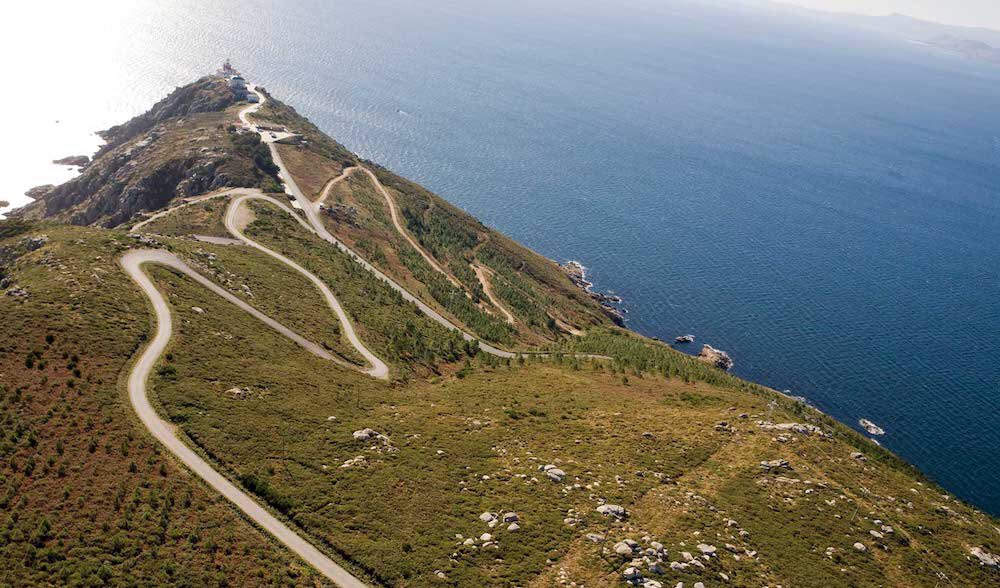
(86, 497)
(649, 468)
(546, 304)
(466, 435)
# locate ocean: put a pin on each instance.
(820, 202)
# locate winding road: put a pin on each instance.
(133, 262)
(484, 278)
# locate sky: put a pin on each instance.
(974, 13)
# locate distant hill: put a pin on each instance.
(972, 49)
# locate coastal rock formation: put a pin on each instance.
(4, 204)
(76, 160)
(871, 427)
(184, 146)
(716, 357)
(578, 275)
(39, 191)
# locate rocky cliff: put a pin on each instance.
(187, 144)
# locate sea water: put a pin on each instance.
(822, 203)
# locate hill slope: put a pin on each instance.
(479, 469)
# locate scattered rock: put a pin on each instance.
(684, 339)
(775, 464)
(802, 428)
(355, 462)
(858, 456)
(35, 243)
(486, 517)
(706, 549)
(510, 517)
(612, 510)
(985, 558)
(860, 547)
(623, 549)
(368, 434)
(486, 537)
(555, 474)
(716, 357)
(513, 527)
(198, 309)
(595, 537)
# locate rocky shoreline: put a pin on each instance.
(577, 274)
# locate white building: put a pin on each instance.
(238, 84)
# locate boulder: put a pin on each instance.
(774, 464)
(513, 527)
(860, 547)
(623, 549)
(612, 510)
(595, 537)
(985, 558)
(510, 517)
(367, 434)
(555, 474)
(487, 517)
(715, 357)
(706, 549)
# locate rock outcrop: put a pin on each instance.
(186, 145)
(716, 357)
(77, 160)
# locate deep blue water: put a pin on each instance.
(819, 202)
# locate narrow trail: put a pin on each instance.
(348, 171)
(311, 211)
(393, 214)
(378, 367)
(132, 262)
(484, 278)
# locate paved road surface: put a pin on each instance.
(378, 367)
(312, 215)
(164, 432)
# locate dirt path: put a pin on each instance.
(329, 185)
(235, 223)
(484, 278)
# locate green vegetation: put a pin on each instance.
(87, 498)
(394, 329)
